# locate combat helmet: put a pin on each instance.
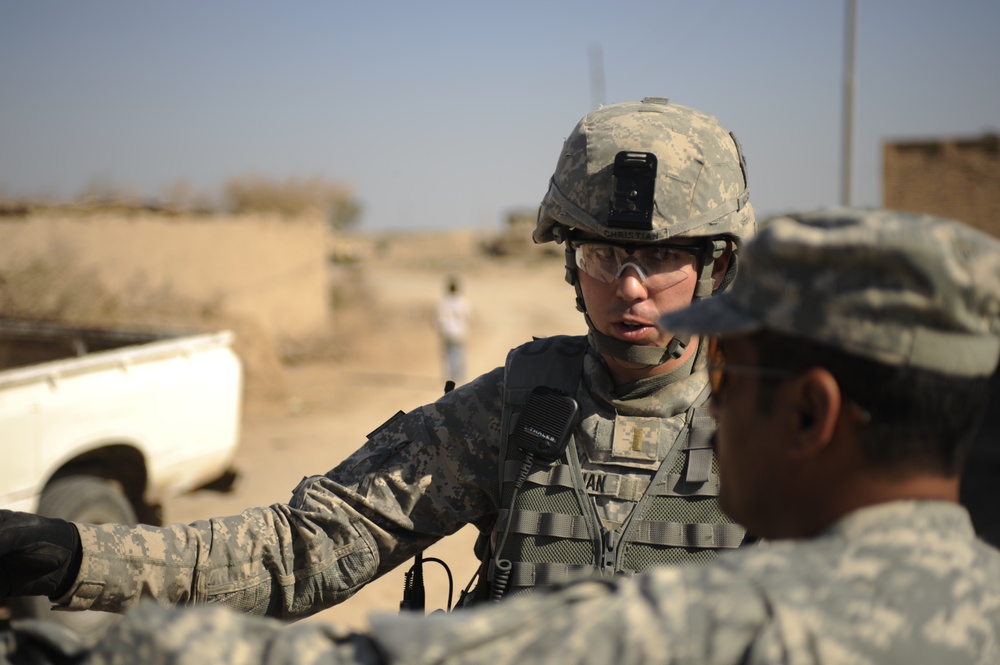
(647, 172)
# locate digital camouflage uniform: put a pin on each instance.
(422, 476)
(900, 583)
(896, 582)
(425, 474)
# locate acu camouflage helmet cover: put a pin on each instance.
(700, 186)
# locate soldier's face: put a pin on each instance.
(749, 442)
(627, 306)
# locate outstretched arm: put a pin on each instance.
(420, 477)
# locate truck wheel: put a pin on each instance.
(80, 499)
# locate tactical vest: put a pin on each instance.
(554, 530)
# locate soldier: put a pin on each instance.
(651, 203)
(849, 367)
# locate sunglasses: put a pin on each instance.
(718, 368)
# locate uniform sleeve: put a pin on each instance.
(669, 615)
(421, 476)
(662, 617)
(155, 635)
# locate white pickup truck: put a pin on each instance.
(101, 425)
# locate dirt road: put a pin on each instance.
(393, 362)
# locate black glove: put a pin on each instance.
(39, 556)
(39, 642)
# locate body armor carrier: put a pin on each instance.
(557, 531)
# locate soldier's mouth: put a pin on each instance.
(632, 331)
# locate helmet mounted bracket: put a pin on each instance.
(633, 186)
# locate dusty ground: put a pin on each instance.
(392, 362)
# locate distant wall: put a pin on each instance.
(955, 178)
(271, 269)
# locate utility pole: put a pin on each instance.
(596, 76)
(845, 178)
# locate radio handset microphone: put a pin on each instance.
(542, 432)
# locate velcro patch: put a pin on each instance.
(636, 438)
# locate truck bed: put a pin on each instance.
(24, 343)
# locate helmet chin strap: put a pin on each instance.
(636, 353)
(649, 356)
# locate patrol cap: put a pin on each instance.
(900, 288)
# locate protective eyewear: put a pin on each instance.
(718, 368)
(657, 266)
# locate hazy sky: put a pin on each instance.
(444, 114)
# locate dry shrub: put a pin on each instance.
(182, 195)
(52, 288)
(293, 197)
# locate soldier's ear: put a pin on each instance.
(816, 400)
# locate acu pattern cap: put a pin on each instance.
(899, 288)
(700, 186)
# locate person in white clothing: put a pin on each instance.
(453, 325)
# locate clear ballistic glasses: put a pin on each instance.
(658, 266)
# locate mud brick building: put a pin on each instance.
(960, 179)
(956, 178)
